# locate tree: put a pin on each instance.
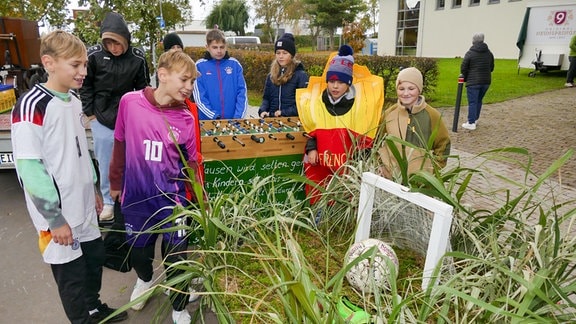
(353, 35)
(276, 13)
(329, 14)
(229, 15)
(370, 19)
(45, 11)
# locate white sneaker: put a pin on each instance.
(140, 288)
(107, 213)
(193, 295)
(569, 85)
(469, 126)
(181, 317)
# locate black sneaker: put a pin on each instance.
(104, 311)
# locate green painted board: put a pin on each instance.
(226, 176)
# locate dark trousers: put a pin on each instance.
(475, 94)
(141, 259)
(80, 280)
(571, 69)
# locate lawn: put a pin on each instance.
(507, 83)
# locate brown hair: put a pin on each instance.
(61, 44)
(215, 35)
(279, 78)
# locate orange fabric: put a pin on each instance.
(43, 240)
(194, 110)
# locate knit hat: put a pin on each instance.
(477, 38)
(412, 75)
(286, 42)
(170, 40)
(340, 67)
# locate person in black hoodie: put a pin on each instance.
(286, 75)
(114, 68)
(476, 68)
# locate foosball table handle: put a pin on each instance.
(257, 139)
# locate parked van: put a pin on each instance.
(243, 40)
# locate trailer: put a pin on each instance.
(20, 63)
(545, 35)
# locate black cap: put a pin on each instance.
(171, 40)
(286, 42)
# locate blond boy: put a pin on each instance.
(58, 177)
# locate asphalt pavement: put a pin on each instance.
(28, 293)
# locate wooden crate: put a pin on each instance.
(24, 42)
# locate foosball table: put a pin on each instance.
(238, 150)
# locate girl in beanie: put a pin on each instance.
(340, 112)
(286, 75)
(413, 120)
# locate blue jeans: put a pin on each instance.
(103, 143)
(475, 94)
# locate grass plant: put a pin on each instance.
(270, 261)
(267, 261)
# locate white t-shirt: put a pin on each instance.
(48, 128)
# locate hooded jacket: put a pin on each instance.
(477, 65)
(416, 126)
(220, 91)
(283, 97)
(109, 77)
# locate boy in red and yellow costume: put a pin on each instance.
(340, 111)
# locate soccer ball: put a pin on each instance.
(373, 272)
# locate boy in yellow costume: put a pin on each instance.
(340, 111)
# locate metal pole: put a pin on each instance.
(458, 100)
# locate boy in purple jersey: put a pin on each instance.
(146, 173)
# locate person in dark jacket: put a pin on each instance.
(114, 68)
(476, 68)
(286, 75)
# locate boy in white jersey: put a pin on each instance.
(58, 177)
(153, 128)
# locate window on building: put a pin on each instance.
(456, 3)
(440, 4)
(493, 1)
(407, 28)
(474, 3)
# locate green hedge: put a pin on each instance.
(256, 64)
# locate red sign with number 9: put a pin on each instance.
(559, 17)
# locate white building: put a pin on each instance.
(444, 28)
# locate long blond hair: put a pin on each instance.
(281, 75)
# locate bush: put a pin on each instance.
(256, 65)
